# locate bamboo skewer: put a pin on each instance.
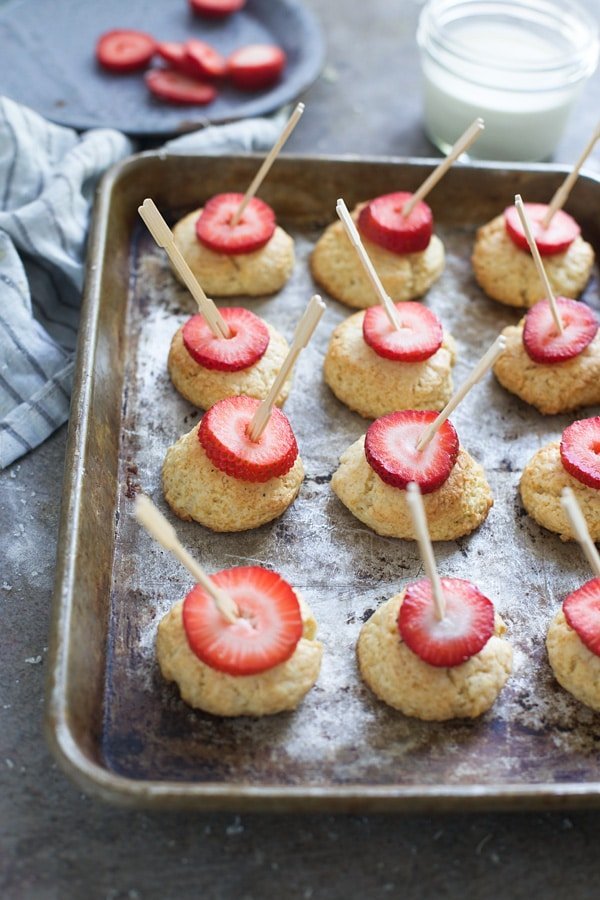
(267, 163)
(485, 363)
(419, 520)
(163, 532)
(354, 237)
(163, 236)
(560, 197)
(302, 335)
(538, 263)
(578, 524)
(463, 143)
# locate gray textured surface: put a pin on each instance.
(54, 843)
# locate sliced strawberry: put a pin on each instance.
(224, 435)
(125, 50)
(176, 87)
(557, 237)
(252, 232)
(203, 60)
(256, 66)
(582, 612)
(216, 8)
(382, 222)
(541, 339)
(467, 626)
(419, 337)
(266, 633)
(580, 451)
(174, 54)
(248, 342)
(391, 450)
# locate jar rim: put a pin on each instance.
(562, 15)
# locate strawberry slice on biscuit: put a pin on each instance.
(253, 231)
(224, 435)
(467, 626)
(264, 635)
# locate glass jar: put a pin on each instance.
(520, 64)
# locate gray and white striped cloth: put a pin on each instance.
(48, 175)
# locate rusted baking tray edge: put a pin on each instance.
(78, 584)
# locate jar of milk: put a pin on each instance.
(520, 64)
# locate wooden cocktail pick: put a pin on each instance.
(485, 363)
(268, 162)
(302, 335)
(419, 520)
(163, 236)
(580, 530)
(463, 143)
(560, 197)
(353, 235)
(538, 263)
(163, 532)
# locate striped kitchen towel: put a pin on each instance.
(48, 175)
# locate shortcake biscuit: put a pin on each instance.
(459, 506)
(405, 276)
(373, 386)
(404, 681)
(195, 489)
(542, 483)
(264, 271)
(576, 668)
(277, 689)
(204, 387)
(508, 274)
(551, 388)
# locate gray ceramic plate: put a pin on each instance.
(48, 60)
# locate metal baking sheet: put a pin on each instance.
(115, 725)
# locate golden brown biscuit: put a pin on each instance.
(404, 681)
(374, 386)
(542, 482)
(264, 271)
(337, 268)
(195, 489)
(508, 274)
(205, 387)
(459, 506)
(265, 694)
(576, 668)
(555, 388)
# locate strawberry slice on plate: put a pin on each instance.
(381, 221)
(253, 231)
(580, 451)
(124, 50)
(256, 66)
(391, 450)
(582, 612)
(557, 237)
(248, 342)
(418, 338)
(204, 61)
(216, 9)
(174, 54)
(541, 339)
(224, 435)
(467, 626)
(176, 87)
(266, 632)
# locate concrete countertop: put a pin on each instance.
(56, 843)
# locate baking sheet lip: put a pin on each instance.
(100, 781)
(108, 786)
(120, 168)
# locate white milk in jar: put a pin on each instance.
(519, 64)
